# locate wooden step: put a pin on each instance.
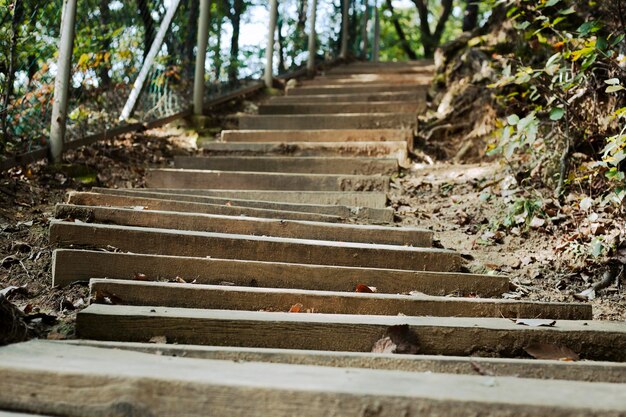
(398, 96)
(342, 108)
(335, 121)
(336, 135)
(257, 248)
(220, 297)
(43, 376)
(394, 149)
(375, 215)
(254, 226)
(355, 89)
(590, 371)
(348, 198)
(234, 180)
(458, 336)
(411, 79)
(291, 164)
(79, 265)
(143, 203)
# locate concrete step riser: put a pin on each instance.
(411, 97)
(93, 199)
(247, 226)
(255, 248)
(406, 121)
(76, 265)
(265, 299)
(346, 198)
(352, 333)
(374, 107)
(232, 180)
(338, 135)
(311, 165)
(166, 386)
(366, 214)
(368, 89)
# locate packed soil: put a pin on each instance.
(546, 257)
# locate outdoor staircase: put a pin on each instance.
(246, 261)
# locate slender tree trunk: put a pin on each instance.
(430, 38)
(406, 47)
(16, 20)
(190, 38)
(282, 67)
(470, 17)
(217, 52)
(233, 65)
(148, 25)
(105, 20)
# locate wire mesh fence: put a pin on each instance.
(112, 38)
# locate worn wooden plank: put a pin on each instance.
(590, 371)
(42, 376)
(334, 121)
(371, 199)
(377, 215)
(241, 225)
(80, 265)
(136, 201)
(458, 336)
(319, 135)
(355, 89)
(292, 164)
(222, 297)
(398, 150)
(258, 248)
(360, 96)
(234, 180)
(271, 108)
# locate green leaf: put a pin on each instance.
(557, 113)
(589, 27)
(513, 119)
(551, 3)
(567, 11)
(612, 81)
(614, 88)
(596, 247)
(614, 175)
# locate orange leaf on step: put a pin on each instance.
(296, 308)
(363, 288)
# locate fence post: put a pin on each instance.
(62, 81)
(269, 51)
(203, 40)
(345, 17)
(364, 31)
(376, 47)
(310, 65)
(131, 103)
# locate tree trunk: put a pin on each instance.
(16, 20)
(282, 67)
(431, 39)
(148, 25)
(235, 19)
(105, 46)
(406, 47)
(217, 52)
(470, 17)
(190, 38)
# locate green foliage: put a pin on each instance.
(566, 80)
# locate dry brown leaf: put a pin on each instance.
(397, 339)
(158, 339)
(296, 308)
(551, 352)
(140, 277)
(363, 288)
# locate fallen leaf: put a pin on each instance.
(551, 352)
(397, 339)
(363, 288)
(140, 277)
(586, 295)
(535, 322)
(296, 308)
(13, 289)
(158, 339)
